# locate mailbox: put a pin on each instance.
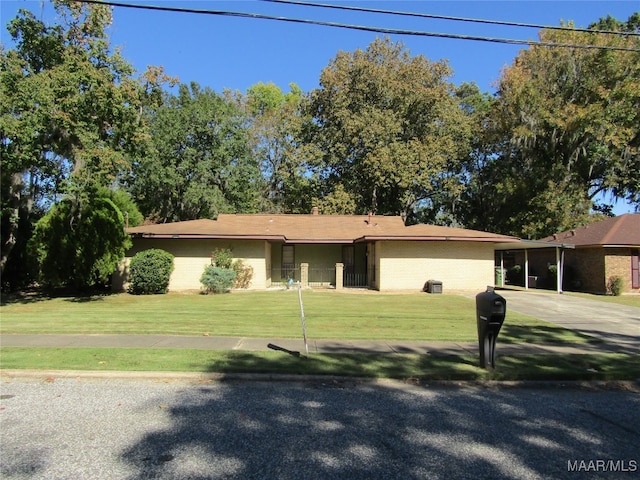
(490, 312)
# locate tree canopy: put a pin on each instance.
(388, 132)
(199, 163)
(564, 131)
(70, 116)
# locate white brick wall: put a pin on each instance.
(458, 265)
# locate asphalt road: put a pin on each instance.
(83, 428)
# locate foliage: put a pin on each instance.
(79, 243)
(199, 164)
(615, 286)
(275, 122)
(563, 130)
(217, 279)
(125, 203)
(150, 272)
(70, 116)
(244, 274)
(388, 130)
(222, 258)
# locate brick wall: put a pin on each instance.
(458, 265)
(192, 255)
(618, 263)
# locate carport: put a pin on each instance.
(525, 246)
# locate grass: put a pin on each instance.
(603, 367)
(632, 300)
(328, 315)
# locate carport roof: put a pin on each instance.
(312, 228)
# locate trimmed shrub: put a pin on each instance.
(615, 286)
(150, 271)
(217, 280)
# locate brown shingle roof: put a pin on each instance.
(310, 229)
(621, 230)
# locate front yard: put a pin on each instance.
(329, 315)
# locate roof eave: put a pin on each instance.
(434, 238)
(208, 236)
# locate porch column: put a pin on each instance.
(304, 275)
(526, 269)
(502, 273)
(339, 276)
(559, 268)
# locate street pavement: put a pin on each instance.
(134, 429)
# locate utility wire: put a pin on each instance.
(445, 17)
(389, 31)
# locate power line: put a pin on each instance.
(388, 31)
(446, 17)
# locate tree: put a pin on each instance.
(199, 164)
(79, 248)
(70, 116)
(388, 129)
(566, 122)
(275, 120)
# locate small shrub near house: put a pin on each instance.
(615, 286)
(150, 271)
(244, 274)
(217, 280)
(224, 273)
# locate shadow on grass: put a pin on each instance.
(549, 367)
(35, 296)
(543, 334)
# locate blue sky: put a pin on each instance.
(228, 52)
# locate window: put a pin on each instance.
(635, 268)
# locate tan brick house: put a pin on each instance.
(370, 251)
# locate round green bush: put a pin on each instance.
(217, 280)
(150, 271)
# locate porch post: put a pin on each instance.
(339, 276)
(502, 273)
(526, 269)
(559, 268)
(304, 275)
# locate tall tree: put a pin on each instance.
(70, 116)
(567, 122)
(275, 121)
(389, 131)
(200, 163)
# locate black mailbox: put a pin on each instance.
(490, 311)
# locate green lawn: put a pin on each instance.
(329, 315)
(632, 299)
(418, 367)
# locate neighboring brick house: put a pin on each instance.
(602, 250)
(371, 251)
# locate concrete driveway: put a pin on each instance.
(613, 323)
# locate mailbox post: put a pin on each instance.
(490, 312)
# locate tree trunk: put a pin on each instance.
(14, 200)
